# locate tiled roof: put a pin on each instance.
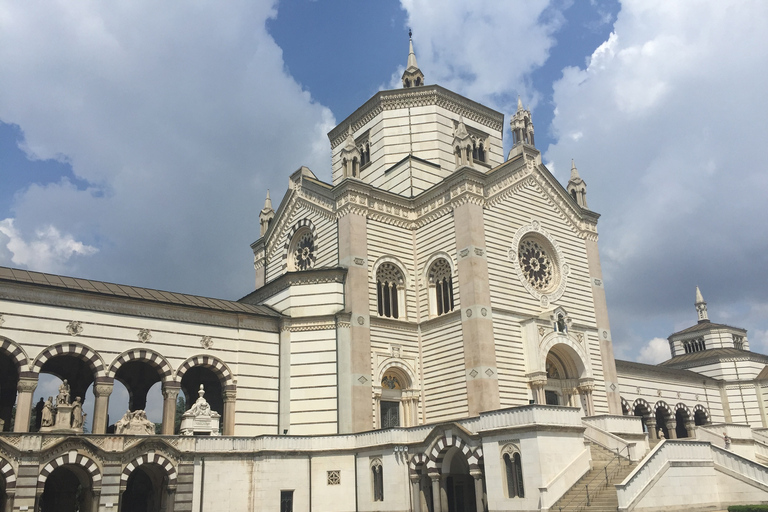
(705, 326)
(130, 292)
(713, 355)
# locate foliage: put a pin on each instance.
(181, 408)
(748, 508)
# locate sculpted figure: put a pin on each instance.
(77, 413)
(63, 397)
(661, 435)
(47, 414)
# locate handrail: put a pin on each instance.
(586, 501)
(608, 440)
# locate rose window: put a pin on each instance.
(536, 264)
(304, 252)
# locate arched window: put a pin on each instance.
(377, 478)
(481, 153)
(301, 253)
(513, 473)
(441, 287)
(390, 290)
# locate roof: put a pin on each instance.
(705, 325)
(713, 355)
(631, 366)
(131, 292)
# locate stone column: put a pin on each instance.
(478, 476)
(538, 391)
(690, 426)
(26, 387)
(170, 394)
(650, 422)
(415, 494)
(586, 390)
(170, 501)
(445, 506)
(671, 427)
(9, 495)
(230, 394)
(436, 501)
(476, 317)
(102, 388)
(96, 497)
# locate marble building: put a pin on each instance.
(427, 332)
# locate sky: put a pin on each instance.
(138, 139)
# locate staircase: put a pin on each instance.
(602, 494)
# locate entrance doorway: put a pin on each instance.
(67, 489)
(459, 484)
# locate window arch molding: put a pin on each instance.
(432, 299)
(304, 228)
(404, 394)
(391, 305)
(511, 462)
(534, 232)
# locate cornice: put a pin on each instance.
(416, 97)
(73, 299)
(392, 324)
(303, 277)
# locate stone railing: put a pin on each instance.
(645, 474)
(616, 424)
(395, 437)
(563, 481)
(629, 449)
(760, 434)
(670, 452)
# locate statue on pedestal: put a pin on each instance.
(77, 414)
(63, 397)
(200, 419)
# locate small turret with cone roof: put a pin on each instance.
(701, 307)
(412, 76)
(266, 215)
(577, 187)
(521, 125)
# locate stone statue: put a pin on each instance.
(200, 419)
(135, 423)
(63, 397)
(727, 441)
(47, 415)
(77, 413)
(661, 435)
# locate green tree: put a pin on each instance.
(181, 408)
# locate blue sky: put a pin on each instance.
(138, 140)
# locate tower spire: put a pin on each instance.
(412, 76)
(701, 307)
(266, 215)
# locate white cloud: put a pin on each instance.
(48, 251)
(655, 351)
(670, 115)
(483, 50)
(177, 118)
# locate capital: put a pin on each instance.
(170, 393)
(26, 385)
(229, 395)
(477, 474)
(103, 389)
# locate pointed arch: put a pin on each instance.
(77, 350)
(154, 359)
(72, 458)
(150, 458)
(438, 449)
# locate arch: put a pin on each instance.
(626, 410)
(683, 407)
(511, 461)
(568, 351)
(439, 284)
(150, 357)
(150, 458)
(417, 460)
(82, 352)
(72, 458)
(7, 473)
(700, 415)
(396, 262)
(662, 406)
(643, 405)
(218, 366)
(377, 479)
(395, 395)
(14, 351)
(300, 225)
(438, 449)
(392, 364)
(391, 283)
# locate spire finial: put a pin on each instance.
(701, 307)
(574, 171)
(268, 202)
(412, 77)
(519, 103)
(410, 34)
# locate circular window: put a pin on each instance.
(536, 264)
(303, 251)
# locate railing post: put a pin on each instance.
(606, 475)
(587, 488)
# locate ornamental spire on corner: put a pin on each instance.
(577, 187)
(266, 215)
(412, 76)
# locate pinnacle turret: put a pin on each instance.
(266, 215)
(577, 187)
(412, 76)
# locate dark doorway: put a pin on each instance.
(9, 380)
(67, 489)
(551, 397)
(460, 485)
(144, 490)
(390, 414)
